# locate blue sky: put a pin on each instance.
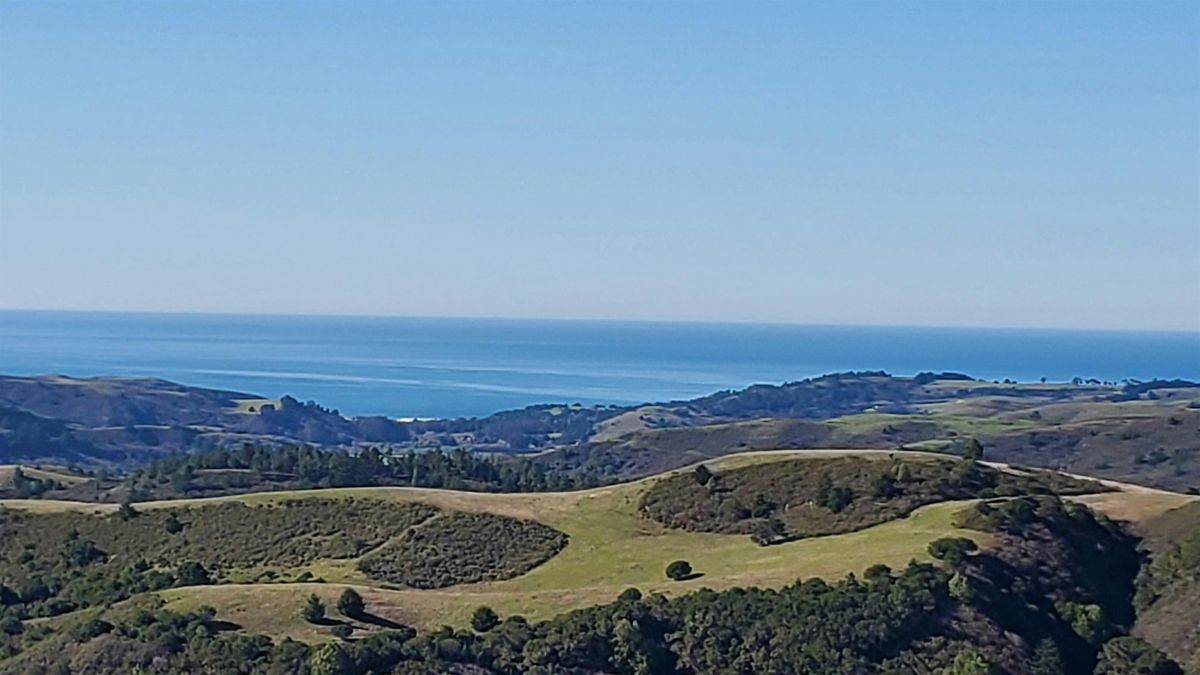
(994, 164)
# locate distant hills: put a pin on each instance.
(1145, 432)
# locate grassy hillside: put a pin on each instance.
(612, 546)
(1169, 585)
(1150, 441)
(1048, 593)
(814, 497)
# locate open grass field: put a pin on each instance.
(63, 476)
(612, 547)
(965, 426)
(244, 405)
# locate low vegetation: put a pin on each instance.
(794, 499)
(1168, 587)
(224, 537)
(53, 563)
(464, 548)
(998, 611)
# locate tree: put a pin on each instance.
(342, 630)
(172, 524)
(350, 603)
(92, 628)
(885, 486)
(839, 498)
(1087, 620)
(960, 588)
(761, 507)
(314, 609)
(703, 474)
(484, 619)
(11, 625)
(878, 573)
(181, 478)
(1046, 659)
(824, 489)
(973, 450)
(969, 662)
(629, 596)
(126, 511)
(329, 659)
(952, 549)
(767, 532)
(679, 570)
(77, 552)
(1133, 656)
(731, 511)
(192, 573)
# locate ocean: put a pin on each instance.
(425, 367)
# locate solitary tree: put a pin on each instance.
(125, 511)
(703, 475)
(960, 588)
(1046, 659)
(172, 524)
(484, 619)
(679, 570)
(350, 603)
(952, 549)
(767, 532)
(629, 595)
(973, 450)
(314, 609)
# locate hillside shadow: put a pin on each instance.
(693, 575)
(328, 621)
(376, 620)
(221, 626)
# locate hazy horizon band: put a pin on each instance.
(435, 367)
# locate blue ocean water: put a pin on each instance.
(422, 367)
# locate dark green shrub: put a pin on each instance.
(679, 570)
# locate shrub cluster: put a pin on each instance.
(459, 548)
(780, 501)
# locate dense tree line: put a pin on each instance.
(310, 467)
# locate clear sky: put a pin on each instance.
(958, 163)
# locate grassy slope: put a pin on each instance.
(612, 547)
(1172, 622)
(6, 474)
(965, 426)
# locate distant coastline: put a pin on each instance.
(445, 367)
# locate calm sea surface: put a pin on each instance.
(464, 367)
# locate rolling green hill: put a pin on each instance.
(612, 544)
(248, 564)
(1147, 433)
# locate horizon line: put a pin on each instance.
(578, 319)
